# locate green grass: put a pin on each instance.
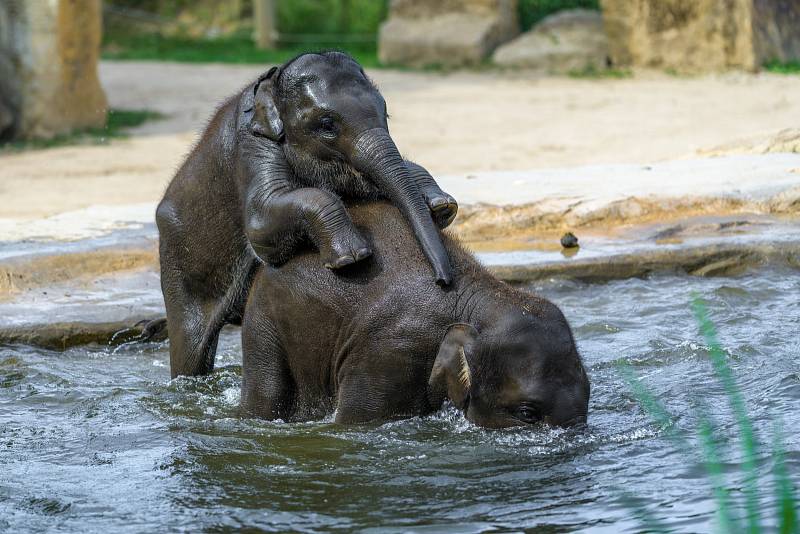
(532, 11)
(117, 122)
(344, 17)
(228, 49)
(338, 24)
(781, 67)
(712, 447)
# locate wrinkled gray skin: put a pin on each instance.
(373, 342)
(268, 176)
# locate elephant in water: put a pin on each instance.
(269, 175)
(373, 341)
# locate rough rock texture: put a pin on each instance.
(48, 67)
(571, 40)
(702, 35)
(448, 33)
(787, 140)
(64, 335)
(708, 260)
(129, 323)
(776, 30)
(24, 273)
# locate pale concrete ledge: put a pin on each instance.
(91, 276)
(113, 311)
(602, 198)
(707, 260)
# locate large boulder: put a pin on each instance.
(702, 35)
(450, 33)
(571, 40)
(48, 68)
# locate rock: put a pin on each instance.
(701, 35)
(64, 335)
(24, 273)
(723, 259)
(448, 33)
(6, 120)
(48, 67)
(784, 141)
(571, 40)
(569, 240)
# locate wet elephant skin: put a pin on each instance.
(268, 175)
(373, 342)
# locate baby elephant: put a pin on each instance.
(373, 343)
(269, 175)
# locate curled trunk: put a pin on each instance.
(377, 156)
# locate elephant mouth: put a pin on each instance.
(336, 175)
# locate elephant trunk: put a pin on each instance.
(377, 156)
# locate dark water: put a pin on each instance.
(99, 440)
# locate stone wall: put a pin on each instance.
(701, 35)
(776, 27)
(448, 33)
(48, 67)
(568, 41)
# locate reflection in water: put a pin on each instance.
(95, 439)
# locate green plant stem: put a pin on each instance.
(736, 400)
(654, 408)
(787, 512)
(648, 520)
(714, 470)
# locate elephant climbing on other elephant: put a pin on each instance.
(371, 342)
(268, 176)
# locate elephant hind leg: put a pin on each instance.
(267, 386)
(193, 335)
(195, 317)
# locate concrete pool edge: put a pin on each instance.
(106, 325)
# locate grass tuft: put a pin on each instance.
(736, 401)
(783, 67)
(117, 122)
(236, 48)
(785, 501)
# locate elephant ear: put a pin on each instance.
(451, 375)
(266, 119)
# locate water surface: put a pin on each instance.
(99, 439)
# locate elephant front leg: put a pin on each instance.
(443, 206)
(274, 228)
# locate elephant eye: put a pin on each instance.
(529, 413)
(327, 125)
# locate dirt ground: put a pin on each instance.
(454, 124)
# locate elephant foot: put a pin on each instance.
(155, 330)
(343, 252)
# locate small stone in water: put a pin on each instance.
(569, 240)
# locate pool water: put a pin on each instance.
(100, 440)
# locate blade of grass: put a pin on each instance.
(648, 520)
(661, 415)
(785, 497)
(736, 400)
(714, 470)
(651, 405)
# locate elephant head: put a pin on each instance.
(518, 372)
(332, 124)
